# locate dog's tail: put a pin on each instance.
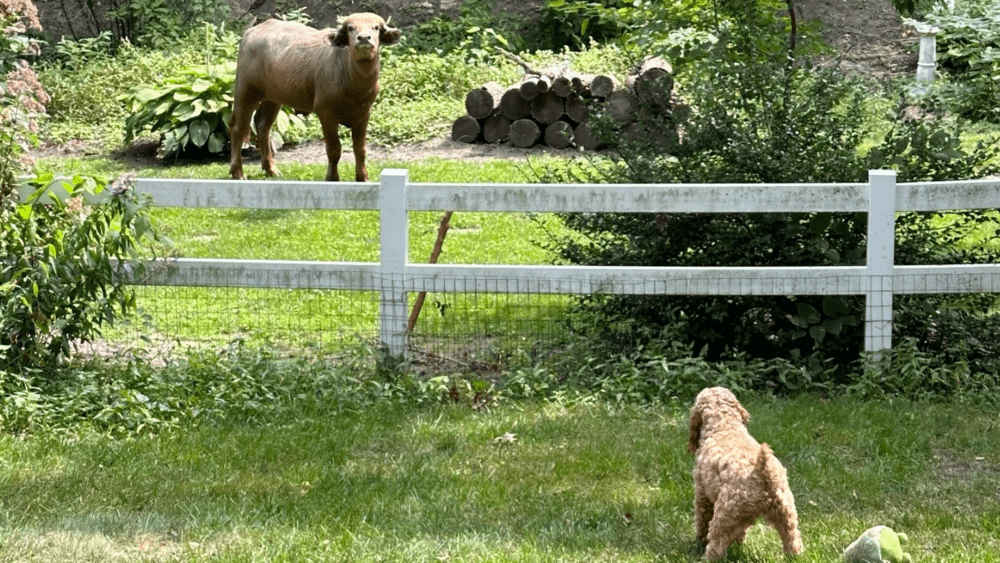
(760, 467)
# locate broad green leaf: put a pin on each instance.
(201, 85)
(833, 326)
(184, 96)
(216, 143)
(817, 332)
(808, 313)
(145, 94)
(184, 113)
(199, 131)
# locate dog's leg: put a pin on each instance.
(785, 520)
(727, 526)
(703, 512)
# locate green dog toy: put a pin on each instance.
(878, 545)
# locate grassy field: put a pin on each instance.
(557, 481)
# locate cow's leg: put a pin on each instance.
(239, 132)
(358, 134)
(266, 114)
(331, 130)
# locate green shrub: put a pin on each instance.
(477, 29)
(59, 282)
(22, 98)
(161, 23)
(968, 48)
(759, 119)
(88, 88)
(190, 112)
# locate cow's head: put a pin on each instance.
(363, 33)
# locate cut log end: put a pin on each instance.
(559, 135)
(524, 133)
(465, 129)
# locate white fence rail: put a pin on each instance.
(394, 277)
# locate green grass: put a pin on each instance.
(579, 483)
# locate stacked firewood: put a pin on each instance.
(554, 107)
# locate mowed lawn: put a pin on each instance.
(568, 480)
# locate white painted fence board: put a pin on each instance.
(260, 194)
(934, 196)
(394, 278)
(277, 274)
(639, 198)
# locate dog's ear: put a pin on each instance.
(695, 436)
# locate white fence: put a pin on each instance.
(395, 277)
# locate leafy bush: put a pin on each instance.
(758, 119)
(191, 111)
(968, 48)
(476, 30)
(22, 98)
(88, 88)
(574, 23)
(160, 23)
(58, 279)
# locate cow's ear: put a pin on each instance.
(340, 38)
(389, 35)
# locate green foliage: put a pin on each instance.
(422, 93)
(74, 54)
(476, 30)
(22, 98)
(88, 88)
(59, 282)
(759, 119)
(574, 23)
(968, 48)
(160, 23)
(191, 111)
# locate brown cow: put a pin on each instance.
(333, 72)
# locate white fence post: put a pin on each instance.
(392, 269)
(880, 264)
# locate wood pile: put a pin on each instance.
(554, 106)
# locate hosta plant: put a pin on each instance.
(190, 111)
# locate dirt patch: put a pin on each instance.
(867, 35)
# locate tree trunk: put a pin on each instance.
(621, 106)
(548, 107)
(559, 134)
(496, 128)
(576, 109)
(584, 138)
(465, 129)
(513, 104)
(481, 102)
(652, 81)
(602, 85)
(524, 133)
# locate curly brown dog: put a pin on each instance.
(736, 479)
